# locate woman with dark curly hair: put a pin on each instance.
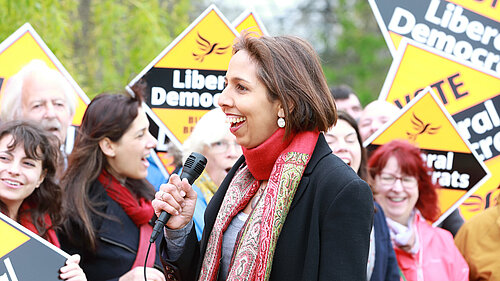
(404, 188)
(29, 193)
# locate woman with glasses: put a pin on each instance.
(212, 138)
(404, 189)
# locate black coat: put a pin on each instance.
(117, 241)
(386, 265)
(325, 236)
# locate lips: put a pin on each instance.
(397, 199)
(235, 122)
(346, 160)
(12, 183)
(145, 161)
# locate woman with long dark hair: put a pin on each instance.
(107, 197)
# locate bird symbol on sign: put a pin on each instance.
(421, 128)
(208, 48)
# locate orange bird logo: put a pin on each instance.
(207, 48)
(420, 128)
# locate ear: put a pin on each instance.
(41, 179)
(107, 147)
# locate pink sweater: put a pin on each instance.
(437, 259)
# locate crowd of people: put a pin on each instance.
(289, 191)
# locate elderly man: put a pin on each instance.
(40, 93)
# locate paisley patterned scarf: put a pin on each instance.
(284, 163)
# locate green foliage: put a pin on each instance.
(360, 57)
(103, 44)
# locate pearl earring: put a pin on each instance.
(281, 122)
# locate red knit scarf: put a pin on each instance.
(26, 221)
(254, 250)
(139, 211)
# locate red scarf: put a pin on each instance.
(139, 211)
(26, 221)
(283, 164)
(261, 159)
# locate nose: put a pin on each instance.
(152, 141)
(224, 98)
(50, 111)
(376, 124)
(14, 168)
(340, 146)
(234, 150)
(398, 185)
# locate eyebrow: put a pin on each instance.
(236, 78)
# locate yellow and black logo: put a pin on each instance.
(207, 48)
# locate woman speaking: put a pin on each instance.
(288, 209)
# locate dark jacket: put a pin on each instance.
(325, 235)
(117, 241)
(386, 265)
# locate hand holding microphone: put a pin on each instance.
(177, 197)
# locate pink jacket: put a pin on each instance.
(437, 259)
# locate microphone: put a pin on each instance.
(193, 167)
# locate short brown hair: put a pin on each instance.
(290, 69)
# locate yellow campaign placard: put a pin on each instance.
(470, 95)
(459, 85)
(427, 124)
(25, 45)
(184, 81)
(464, 29)
(249, 21)
(186, 120)
(423, 124)
(206, 44)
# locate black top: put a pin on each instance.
(325, 236)
(117, 240)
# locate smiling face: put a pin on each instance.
(398, 198)
(343, 141)
(253, 117)
(19, 175)
(127, 156)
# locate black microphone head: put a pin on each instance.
(193, 167)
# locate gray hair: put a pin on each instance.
(211, 128)
(12, 93)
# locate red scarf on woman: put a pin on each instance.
(280, 162)
(26, 221)
(139, 211)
